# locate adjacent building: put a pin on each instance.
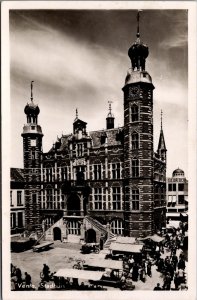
(177, 195)
(17, 201)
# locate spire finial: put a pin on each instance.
(76, 113)
(32, 90)
(138, 23)
(110, 102)
(161, 119)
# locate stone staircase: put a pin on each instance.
(110, 237)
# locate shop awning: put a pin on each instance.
(126, 247)
(104, 263)
(155, 238)
(125, 240)
(81, 274)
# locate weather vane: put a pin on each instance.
(32, 90)
(138, 22)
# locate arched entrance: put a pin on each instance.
(73, 205)
(57, 236)
(90, 236)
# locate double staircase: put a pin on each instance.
(109, 236)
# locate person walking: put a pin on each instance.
(46, 272)
(149, 271)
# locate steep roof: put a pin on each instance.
(113, 137)
(17, 174)
(161, 145)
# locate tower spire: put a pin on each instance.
(32, 91)
(161, 119)
(76, 113)
(138, 23)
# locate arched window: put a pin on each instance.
(134, 113)
(74, 227)
(117, 227)
(135, 196)
(135, 168)
(135, 140)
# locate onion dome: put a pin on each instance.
(31, 109)
(178, 173)
(138, 52)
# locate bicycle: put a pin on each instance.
(79, 264)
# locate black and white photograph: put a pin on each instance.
(97, 119)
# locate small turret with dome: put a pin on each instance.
(178, 173)
(110, 118)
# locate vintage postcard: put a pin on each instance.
(98, 149)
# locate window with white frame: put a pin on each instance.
(135, 196)
(117, 227)
(135, 168)
(13, 220)
(116, 198)
(135, 141)
(98, 198)
(49, 198)
(74, 227)
(97, 171)
(11, 204)
(64, 173)
(80, 151)
(115, 170)
(19, 198)
(134, 113)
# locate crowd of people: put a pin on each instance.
(166, 255)
(18, 281)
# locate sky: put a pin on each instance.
(79, 59)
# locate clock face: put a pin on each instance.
(134, 92)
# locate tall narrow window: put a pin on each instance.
(13, 220)
(135, 168)
(97, 172)
(135, 199)
(49, 198)
(11, 204)
(115, 170)
(135, 141)
(98, 198)
(134, 113)
(19, 198)
(117, 227)
(116, 198)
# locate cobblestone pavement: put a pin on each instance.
(64, 255)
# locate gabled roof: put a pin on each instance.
(17, 174)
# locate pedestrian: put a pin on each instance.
(149, 271)
(181, 264)
(46, 272)
(135, 272)
(167, 282)
(174, 261)
(176, 281)
(131, 262)
(27, 279)
(157, 288)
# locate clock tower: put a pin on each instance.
(32, 150)
(138, 143)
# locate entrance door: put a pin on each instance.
(90, 236)
(57, 236)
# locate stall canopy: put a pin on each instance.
(104, 263)
(81, 274)
(155, 238)
(126, 240)
(126, 247)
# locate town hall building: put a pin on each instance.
(93, 185)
